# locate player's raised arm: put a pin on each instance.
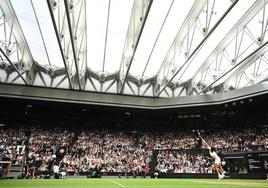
(203, 141)
(207, 146)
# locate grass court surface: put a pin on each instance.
(133, 183)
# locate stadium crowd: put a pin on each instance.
(122, 151)
(224, 140)
(44, 147)
(182, 162)
(11, 145)
(109, 151)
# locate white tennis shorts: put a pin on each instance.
(217, 161)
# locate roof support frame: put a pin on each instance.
(41, 33)
(135, 28)
(256, 60)
(59, 42)
(156, 40)
(106, 35)
(241, 28)
(70, 26)
(15, 42)
(16, 78)
(149, 85)
(207, 33)
(68, 23)
(61, 81)
(249, 58)
(19, 73)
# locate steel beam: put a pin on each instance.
(14, 67)
(215, 66)
(189, 54)
(138, 18)
(16, 42)
(251, 56)
(177, 44)
(70, 26)
(255, 75)
(50, 7)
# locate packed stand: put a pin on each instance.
(173, 140)
(225, 140)
(109, 151)
(121, 151)
(251, 139)
(12, 145)
(45, 146)
(182, 162)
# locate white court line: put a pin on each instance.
(222, 182)
(121, 185)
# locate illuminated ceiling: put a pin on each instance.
(160, 48)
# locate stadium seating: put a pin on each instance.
(121, 151)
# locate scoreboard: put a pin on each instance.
(255, 162)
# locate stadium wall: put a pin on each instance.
(211, 176)
(116, 100)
